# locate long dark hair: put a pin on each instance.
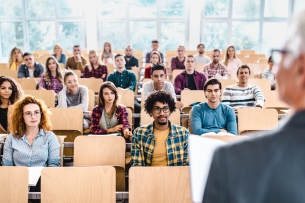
(17, 91)
(47, 73)
(101, 101)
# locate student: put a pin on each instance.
(109, 116)
(95, 69)
(16, 58)
(178, 62)
(10, 92)
(155, 58)
(57, 53)
(231, 62)
(160, 143)
(268, 74)
(30, 68)
(31, 143)
(74, 95)
(213, 116)
(154, 47)
(76, 62)
(108, 55)
(52, 78)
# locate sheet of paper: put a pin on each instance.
(34, 175)
(201, 151)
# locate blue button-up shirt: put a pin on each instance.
(43, 152)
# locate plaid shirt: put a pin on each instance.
(210, 71)
(143, 145)
(53, 85)
(121, 114)
(96, 73)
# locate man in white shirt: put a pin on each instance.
(158, 83)
(200, 57)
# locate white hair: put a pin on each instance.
(295, 38)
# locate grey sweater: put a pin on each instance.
(80, 101)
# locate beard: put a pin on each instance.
(215, 61)
(161, 122)
(201, 52)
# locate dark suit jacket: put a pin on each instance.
(269, 168)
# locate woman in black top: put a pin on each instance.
(10, 92)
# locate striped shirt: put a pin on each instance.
(143, 144)
(43, 152)
(249, 96)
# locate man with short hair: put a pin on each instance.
(131, 61)
(200, 57)
(215, 69)
(160, 143)
(178, 62)
(154, 46)
(269, 167)
(243, 94)
(125, 79)
(30, 68)
(122, 78)
(190, 79)
(76, 62)
(158, 83)
(213, 116)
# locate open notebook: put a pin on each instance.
(201, 151)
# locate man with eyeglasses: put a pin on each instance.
(213, 116)
(178, 61)
(243, 94)
(216, 69)
(158, 83)
(269, 167)
(160, 143)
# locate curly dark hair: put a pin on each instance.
(17, 91)
(159, 96)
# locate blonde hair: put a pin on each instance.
(157, 53)
(99, 61)
(225, 62)
(59, 47)
(11, 58)
(110, 51)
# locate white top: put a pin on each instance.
(234, 64)
(148, 88)
(31, 72)
(202, 59)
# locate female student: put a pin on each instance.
(16, 58)
(109, 116)
(10, 92)
(57, 53)
(31, 143)
(231, 62)
(155, 58)
(95, 69)
(51, 79)
(108, 56)
(74, 95)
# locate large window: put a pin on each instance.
(246, 24)
(40, 24)
(137, 22)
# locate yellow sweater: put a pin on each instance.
(15, 65)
